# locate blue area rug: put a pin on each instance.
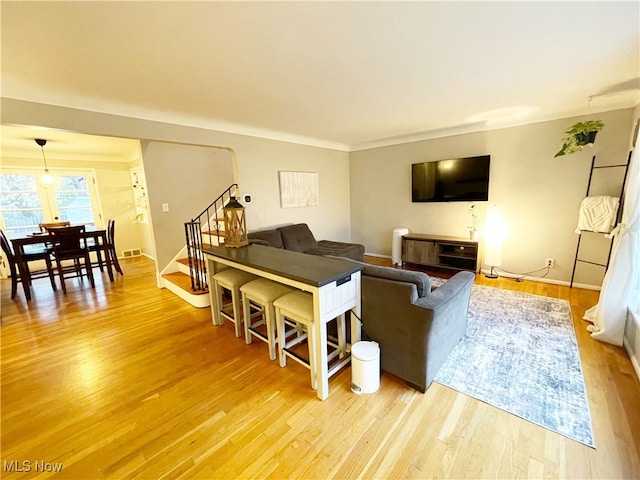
(520, 354)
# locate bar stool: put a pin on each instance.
(259, 295)
(296, 310)
(231, 279)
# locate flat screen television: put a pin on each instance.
(451, 180)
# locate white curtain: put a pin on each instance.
(619, 293)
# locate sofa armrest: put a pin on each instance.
(257, 241)
(447, 291)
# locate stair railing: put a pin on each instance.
(209, 222)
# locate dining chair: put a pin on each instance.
(69, 244)
(44, 227)
(109, 249)
(32, 256)
(111, 240)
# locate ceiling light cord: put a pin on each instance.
(42, 142)
(44, 158)
(47, 179)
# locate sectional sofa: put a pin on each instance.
(299, 238)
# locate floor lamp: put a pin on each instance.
(493, 237)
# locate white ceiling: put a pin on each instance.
(18, 141)
(345, 75)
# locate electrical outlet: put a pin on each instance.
(549, 262)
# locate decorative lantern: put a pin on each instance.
(235, 224)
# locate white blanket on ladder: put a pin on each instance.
(598, 214)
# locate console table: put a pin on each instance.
(454, 253)
(334, 283)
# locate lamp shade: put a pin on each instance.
(494, 235)
(47, 179)
(235, 224)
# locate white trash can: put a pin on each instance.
(365, 367)
(396, 245)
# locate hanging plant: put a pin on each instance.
(579, 135)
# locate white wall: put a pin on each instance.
(187, 178)
(116, 194)
(541, 195)
(145, 233)
(258, 161)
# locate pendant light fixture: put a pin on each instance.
(46, 179)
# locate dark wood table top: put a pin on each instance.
(35, 239)
(311, 270)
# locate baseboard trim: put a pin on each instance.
(633, 330)
(526, 277)
(634, 359)
(545, 280)
(377, 255)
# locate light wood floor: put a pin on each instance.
(128, 381)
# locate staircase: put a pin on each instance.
(186, 274)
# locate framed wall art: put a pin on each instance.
(299, 189)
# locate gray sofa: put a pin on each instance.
(299, 238)
(416, 327)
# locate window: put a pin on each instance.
(24, 203)
(21, 204)
(73, 200)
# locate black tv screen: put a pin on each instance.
(451, 180)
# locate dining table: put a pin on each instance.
(22, 244)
